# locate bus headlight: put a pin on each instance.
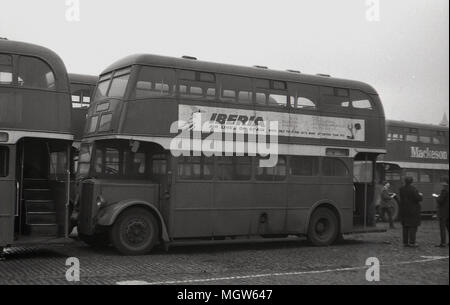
(101, 202)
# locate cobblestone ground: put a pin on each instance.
(287, 262)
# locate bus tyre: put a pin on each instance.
(323, 227)
(135, 232)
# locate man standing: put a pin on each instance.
(410, 199)
(386, 203)
(442, 201)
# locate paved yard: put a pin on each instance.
(286, 262)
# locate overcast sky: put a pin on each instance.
(404, 55)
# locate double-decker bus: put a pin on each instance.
(35, 144)
(419, 151)
(138, 189)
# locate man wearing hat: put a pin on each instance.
(410, 199)
(442, 201)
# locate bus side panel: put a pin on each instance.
(340, 191)
(303, 192)
(141, 117)
(235, 210)
(8, 201)
(191, 211)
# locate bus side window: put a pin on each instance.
(413, 174)
(4, 161)
(304, 166)
(154, 82)
(199, 85)
(334, 98)
(426, 176)
(332, 167)
(303, 96)
(361, 100)
(6, 69)
(234, 89)
(234, 168)
(195, 168)
(276, 173)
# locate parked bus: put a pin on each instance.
(136, 192)
(419, 151)
(35, 144)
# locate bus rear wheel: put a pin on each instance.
(323, 227)
(135, 232)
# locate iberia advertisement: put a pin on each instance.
(231, 120)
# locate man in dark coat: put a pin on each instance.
(410, 199)
(442, 201)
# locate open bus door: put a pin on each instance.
(8, 199)
(365, 190)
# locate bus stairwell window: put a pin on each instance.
(4, 161)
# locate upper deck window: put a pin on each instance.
(271, 93)
(34, 73)
(114, 87)
(303, 97)
(6, 69)
(334, 98)
(236, 89)
(119, 83)
(361, 100)
(81, 95)
(196, 84)
(154, 82)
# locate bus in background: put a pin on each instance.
(81, 88)
(35, 144)
(137, 192)
(419, 151)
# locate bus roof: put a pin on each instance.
(47, 55)
(83, 79)
(183, 63)
(415, 125)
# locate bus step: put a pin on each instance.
(35, 183)
(37, 218)
(43, 229)
(40, 206)
(37, 194)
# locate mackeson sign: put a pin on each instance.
(427, 153)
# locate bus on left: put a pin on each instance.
(36, 145)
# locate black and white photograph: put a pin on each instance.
(224, 151)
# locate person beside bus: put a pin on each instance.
(442, 201)
(386, 205)
(410, 199)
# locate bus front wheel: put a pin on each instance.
(323, 227)
(135, 232)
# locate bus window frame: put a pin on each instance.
(16, 62)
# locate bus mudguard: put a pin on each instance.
(108, 215)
